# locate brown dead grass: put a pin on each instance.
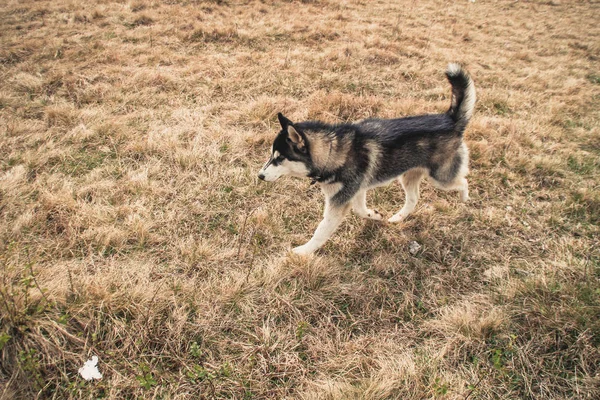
(133, 227)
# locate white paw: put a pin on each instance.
(303, 250)
(374, 214)
(397, 218)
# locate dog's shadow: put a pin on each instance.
(377, 238)
(370, 241)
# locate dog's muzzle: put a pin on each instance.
(261, 176)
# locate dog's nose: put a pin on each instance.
(261, 176)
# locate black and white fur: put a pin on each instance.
(349, 159)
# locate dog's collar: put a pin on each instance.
(315, 179)
(321, 179)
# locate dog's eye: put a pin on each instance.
(278, 160)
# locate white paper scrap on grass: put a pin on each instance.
(89, 370)
(414, 247)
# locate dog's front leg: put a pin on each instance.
(333, 216)
(359, 205)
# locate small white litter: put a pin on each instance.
(414, 247)
(89, 370)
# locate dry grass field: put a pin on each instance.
(133, 226)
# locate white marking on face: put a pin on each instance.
(278, 166)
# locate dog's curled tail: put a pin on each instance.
(463, 96)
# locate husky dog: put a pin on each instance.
(346, 160)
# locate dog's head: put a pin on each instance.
(289, 154)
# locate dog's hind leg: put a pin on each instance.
(359, 206)
(410, 180)
(459, 184)
(463, 189)
(332, 218)
(453, 176)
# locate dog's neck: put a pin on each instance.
(328, 153)
(322, 172)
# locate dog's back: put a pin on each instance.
(431, 142)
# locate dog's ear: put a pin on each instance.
(293, 136)
(283, 121)
(296, 138)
